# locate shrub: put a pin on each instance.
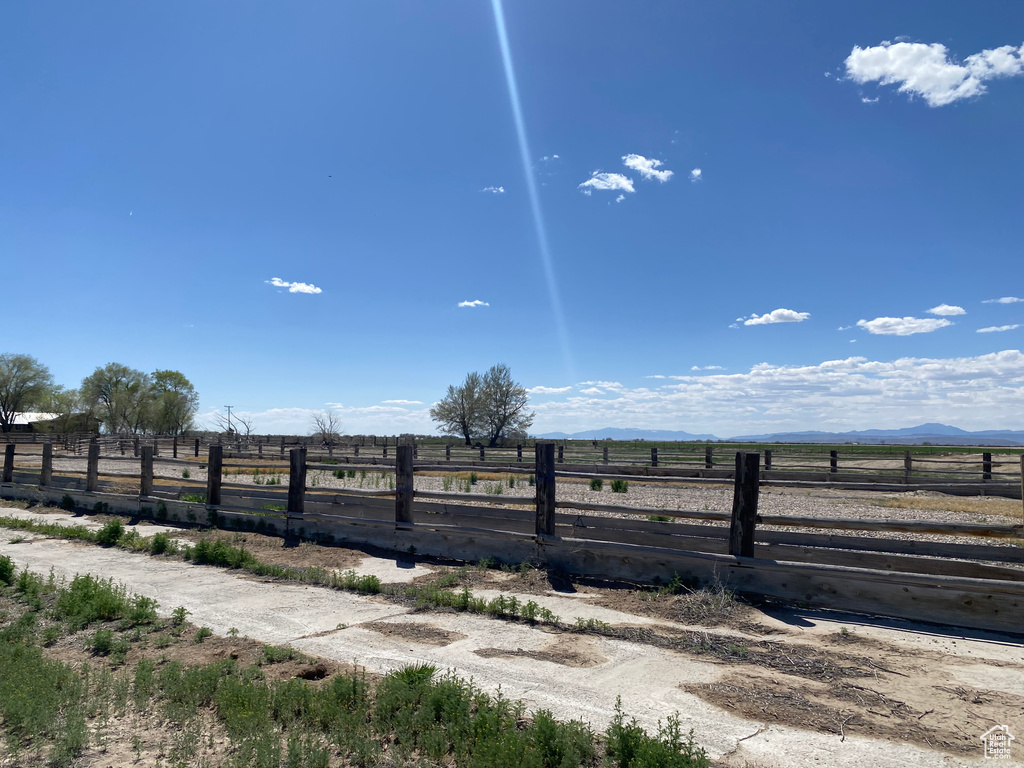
(620, 486)
(110, 533)
(473, 478)
(186, 474)
(201, 634)
(630, 746)
(102, 642)
(6, 570)
(596, 483)
(160, 544)
(67, 503)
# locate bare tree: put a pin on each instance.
(326, 428)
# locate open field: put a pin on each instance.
(763, 685)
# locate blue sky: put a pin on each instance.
(849, 166)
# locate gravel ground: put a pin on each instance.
(815, 503)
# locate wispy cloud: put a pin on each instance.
(926, 70)
(293, 287)
(1004, 300)
(494, 190)
(604, 182)
(540, 390)
(549, 158)
(902, 326)
(775, 316)
(998, 328)
(844, 327)
(620, 198)
(613, 385)
(402, 402)
(474, 303)
(696, 174)
(947, 310)
(648, 168)
(592, 391)
(866, 100)
(706, 368)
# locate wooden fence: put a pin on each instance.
(817, 561)
(987, 472)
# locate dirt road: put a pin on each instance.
(776, 689)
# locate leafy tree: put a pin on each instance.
(122, 395)
(460, 411)
(504, 404)
(67, 407)
(175, 403)
(491, 406)
(24, 383)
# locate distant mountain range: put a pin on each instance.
(938, 434)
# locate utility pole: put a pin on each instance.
(229, 407)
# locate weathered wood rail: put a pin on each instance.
(972, 585)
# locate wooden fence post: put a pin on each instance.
(482, 456)
(604, 454)
(561, 454)
(197, 447)
(297, 481)
(259, 448)
(385, 454)
(403, 484)
(654, 457)
(519, 452)
(833, 462)
(46, 471)
(8, 476)
(146, 478)
(986, 466)
(282, 445)
(908, 466)
(355, 449)
(448, 453)
(1022, 476)
(214, 467)
(156, 446)
(544, 471)
(174, 448)
(767, 459)
(120, 446)
(744, 505)
(709, 456)
(92, 466)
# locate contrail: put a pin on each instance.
(531, 185)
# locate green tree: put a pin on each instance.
(504, 404)
(67, 407)
(459, 412)
(122, 397)
(175, 403)
(24, 383)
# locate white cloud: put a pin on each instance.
(548, 158)
(494, 190)
(865, 100)
(548, 390)
(402, 402)
(705, 368)
(592, 391)
(1004, 300)
(696, 174)
(620, 198)
(902, 326)
(606, 182)
(474, 303)
(844, 327)
(947, 310)
(648, 168)
(293, 287)
(927, 70)
(775, 316)
(998, 328)
(612, 385)
(980, 392)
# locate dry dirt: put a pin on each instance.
(761, 686)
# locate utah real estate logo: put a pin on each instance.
(997, 742)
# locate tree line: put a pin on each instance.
(122, 399)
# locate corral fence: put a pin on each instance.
(990, 471)
(889, 567)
